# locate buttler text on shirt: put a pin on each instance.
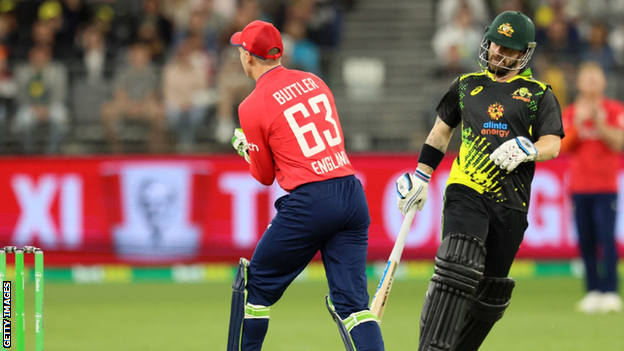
(296, 89)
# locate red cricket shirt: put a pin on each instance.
(292, 127)
(594, 166)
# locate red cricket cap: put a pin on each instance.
(258, 38)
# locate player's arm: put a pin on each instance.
(613, 136)
(261, 164)
(570, 142)
(520, 149)
(439, 139)
(548, 147)
(548, 131)
(412, 188)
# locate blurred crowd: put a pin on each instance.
(91, 76)
(140, 75)
(568, 33)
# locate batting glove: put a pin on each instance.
(239, 142)
(513, 152)
(412, 190)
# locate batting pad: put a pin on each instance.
(458, 270)
(239, 300)
(485, 309)
(342, 329)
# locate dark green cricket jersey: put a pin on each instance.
(491, 113)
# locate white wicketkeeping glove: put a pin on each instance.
(513, 152)
(239, 142)
(412, 190)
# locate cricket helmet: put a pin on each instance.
(511, 29)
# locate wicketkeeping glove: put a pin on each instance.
(513, 152)
(412, 190)
(239, 142)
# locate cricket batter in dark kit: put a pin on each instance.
(508, 122)
(291, 132)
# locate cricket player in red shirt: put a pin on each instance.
(291, 132)
(595, 128)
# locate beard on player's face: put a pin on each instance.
(501, 65)
(502, 60)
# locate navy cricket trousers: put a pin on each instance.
(332, 217)
(595, 216)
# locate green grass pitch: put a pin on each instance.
(187, 317)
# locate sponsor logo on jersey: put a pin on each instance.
(476, 90)
(505, 29)
(500, 129)
(522, 94)
(495, 111)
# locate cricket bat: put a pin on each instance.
(380, 299)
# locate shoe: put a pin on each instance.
(610, 302)
(591, 303)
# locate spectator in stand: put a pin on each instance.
(7, 92)
(8, 28)
(447, 11)
(594, 127)
(233, 87)
(597, 49)
(152, 14)
(558, 55)
(616, 42)
(208, 24)
(186, 96)
(246, 11)
(300, 53)
(119, 19)
(26, 16)
(135, 96)
(233, 84)
(557, 32)
(51, 13)
(524, 6)
(76, 16)
(94, 62)
(456, 44)
(178, 11)
(560, 41)
(148, 35)
(41, 98)
(40, 34)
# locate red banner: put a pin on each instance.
(190, 209)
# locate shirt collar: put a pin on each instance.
(267, 73)
(526, 73)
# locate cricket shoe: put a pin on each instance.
(610, 302)
(591, 303)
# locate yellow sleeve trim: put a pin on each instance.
(471, 74)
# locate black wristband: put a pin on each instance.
(430, 156)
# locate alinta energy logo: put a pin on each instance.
(495, 111)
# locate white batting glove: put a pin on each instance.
(412, 190)
(239, 142)
(513, 152)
